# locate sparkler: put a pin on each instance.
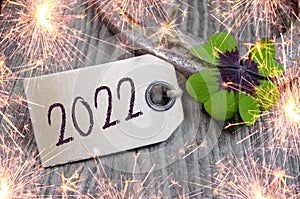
(129, 188)
(152, 33)
(247, 178)
(6, 100)
(267, 18)
(131, 11)
(151, 18)
(40, 31)
(133, 186)
(20, 173)
(284, 119)
(168, 28)
(281, 123)
(69, 186)
(5, 75)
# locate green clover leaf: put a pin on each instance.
(270, 68)
(248, 109)
(236, 84)
(263, 50)
(222, 105)
(217, 43)
(267, 95)
(202, 84)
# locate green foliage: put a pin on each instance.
(263, 53)
(263, 50)
(203, 84)
(271, 68)
(217, 43)
(248, 108)
(223, 89)
(267, 95)
(222, 42)
(222, 105)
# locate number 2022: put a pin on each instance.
(108, 123)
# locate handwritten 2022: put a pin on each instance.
(108, 123)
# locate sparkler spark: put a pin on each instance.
(43, 16)
(6, 101)
(130, 188)
(131, 10)
(267, 18)
(131, 185)
(40, 30)
(69, 185)
(4, 191)
(168, 28)
(292, 111)
(150, 17)
(20, 174)
(285, 117)
(246, 178)
(5, 75)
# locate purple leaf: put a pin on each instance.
(238, 75)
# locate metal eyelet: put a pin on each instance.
(157, 96)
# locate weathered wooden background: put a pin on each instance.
(163, 169)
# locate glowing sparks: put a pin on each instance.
(292, 111)
(267, 18)
(6, 99)
(150, 17)
(246, 178)
(285, 117)
(135, 186)
(43, 16)
(163, 33)
(38, 30)
(69, 186)
(168, 28)
(105, 188)
(20, 174)
(4, 190)
(5, 75)
(131, 10)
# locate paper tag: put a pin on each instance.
(100, 110)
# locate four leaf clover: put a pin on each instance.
(234, 84)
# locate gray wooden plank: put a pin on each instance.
(161, 165)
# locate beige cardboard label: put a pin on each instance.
(99, 110)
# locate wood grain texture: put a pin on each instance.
(165, 170)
